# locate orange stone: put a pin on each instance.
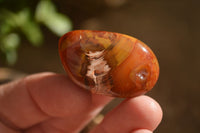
(108, 63)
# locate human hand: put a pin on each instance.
(51, 103)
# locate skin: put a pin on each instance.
(51, 103)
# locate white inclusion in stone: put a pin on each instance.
(97, 69)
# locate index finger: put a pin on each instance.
(39, 97)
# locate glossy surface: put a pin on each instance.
(108, 63)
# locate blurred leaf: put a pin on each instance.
(5, 28)
(8, 18)
(22, 17)
(44, 8)
(15, 19)
(56, 22)
(59, 24)
(11, 57)
(10, 42)
(33, 33)
(30, 28)
(22, 21)
(9, 45)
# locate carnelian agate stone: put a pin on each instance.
(108, 63)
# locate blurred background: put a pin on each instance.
(30, 30)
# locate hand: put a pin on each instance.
(51, 103)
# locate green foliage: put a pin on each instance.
(47, 14)
(26, 21)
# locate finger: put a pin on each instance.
(137, 113)
(40, 97)
(70, 123)
(5, 129)
(142, 131)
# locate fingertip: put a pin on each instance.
(140, 112)
(142, 131)
(148, 111)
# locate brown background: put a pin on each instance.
(170, 27)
